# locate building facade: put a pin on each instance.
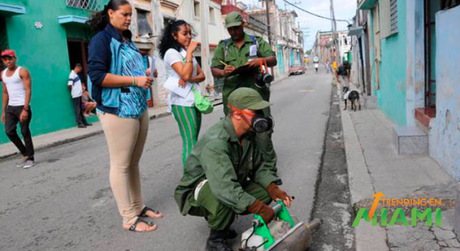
(49, 40)
(413, 52)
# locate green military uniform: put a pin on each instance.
(236, 175)
(232, 55)
(236, 58)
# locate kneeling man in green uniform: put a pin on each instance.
(226, 174)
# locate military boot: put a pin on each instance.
(217, 241)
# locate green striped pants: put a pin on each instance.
(189, 121)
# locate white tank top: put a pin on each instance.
(15, 88)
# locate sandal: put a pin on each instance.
(134, 226)
(144, 213)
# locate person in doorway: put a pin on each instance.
(176, 49)
(87, 104)
(121, 96)
(75, 88)
(17, 92)
(226, 174)
(253, 52)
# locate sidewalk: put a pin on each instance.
(74, 134)
(374, 166)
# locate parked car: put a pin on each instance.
(296, 69)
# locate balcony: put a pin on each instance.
(91, 5)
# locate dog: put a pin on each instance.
(353, 96)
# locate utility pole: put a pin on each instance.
(334, 34)
(267, 7)
(268, 21)
(205, 55)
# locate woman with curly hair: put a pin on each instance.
(119, 87)
(176, 49)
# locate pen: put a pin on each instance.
(224, 63)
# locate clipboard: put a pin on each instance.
(241, 69)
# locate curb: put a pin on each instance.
(367, 237)
(90, 134)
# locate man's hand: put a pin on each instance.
(228, 70)
(277, 194)
(254, 63)
(259, 208)
(3, 117)
(24, 115)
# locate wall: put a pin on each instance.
(444, 138)
(415, 83)
(44, 52)
(392, 92)
(216, 29)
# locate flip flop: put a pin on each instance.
(144, 213)
(134, 226)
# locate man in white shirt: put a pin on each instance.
(74, 85)
(16, 106)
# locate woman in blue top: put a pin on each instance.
(119, 86)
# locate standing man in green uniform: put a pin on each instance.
(244, 49)
(226, 175)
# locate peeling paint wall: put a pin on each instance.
(445, 129)
(415, 82)
(392, 71)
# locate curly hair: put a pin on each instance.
(99, 20)
(167, 40)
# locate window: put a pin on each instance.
(196, 9)
(166, 20)
(388, 17)
(212, 16)
(393, 16)
(83, 4)
(143, 24)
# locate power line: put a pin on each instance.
(314, 14)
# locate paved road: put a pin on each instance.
(65, 202)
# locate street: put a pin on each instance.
(65, 201)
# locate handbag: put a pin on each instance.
(202, 103)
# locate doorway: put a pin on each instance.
(78, 54)
(3, 39)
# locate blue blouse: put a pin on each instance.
(133, 102)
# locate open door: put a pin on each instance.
(78, 53)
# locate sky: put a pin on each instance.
(344, 9)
